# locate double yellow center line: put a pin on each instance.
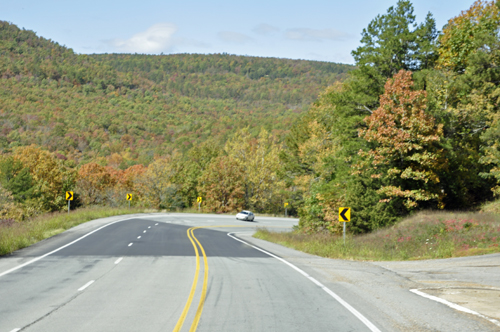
(194, 242)
(197, 316)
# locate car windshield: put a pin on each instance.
(244, 212)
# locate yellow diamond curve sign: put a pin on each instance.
(344, 214)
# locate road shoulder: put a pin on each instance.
(381, 293)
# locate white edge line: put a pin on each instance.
(453, 305)
(15, 330)
(118, 260)
(346, 305)
(86, 285)
(64, 246)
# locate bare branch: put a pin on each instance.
(364, 108)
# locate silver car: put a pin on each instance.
(245, 215)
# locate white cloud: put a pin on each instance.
(306, 34)
(265, 29)
(233, 37)
(155, 39)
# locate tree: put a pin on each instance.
(390, 43)
(222, 185)
(194, 163)
(459, 38)
(51, 178)
(394, 41)
(93, 181)
(405, 139)
(259, 160)
(157, 184)
(16, 179)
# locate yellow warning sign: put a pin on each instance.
(344, 214)
(69, 195)
(129, 197)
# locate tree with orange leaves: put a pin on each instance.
(222, 185)
(93, 181)
(405, 154)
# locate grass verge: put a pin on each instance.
(426, 235)
(17, 235)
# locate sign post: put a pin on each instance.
(69, 198)
(129, 198)
(286, 205)
(344, 216)
(199, 202)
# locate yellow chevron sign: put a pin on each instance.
(344, 214)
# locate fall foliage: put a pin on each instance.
(407, 155)
(414, 125)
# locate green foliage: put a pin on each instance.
(459, 38)
(429, 144)
(390, 43)
(16, 179)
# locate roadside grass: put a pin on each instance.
(17, 235)
(425, 235)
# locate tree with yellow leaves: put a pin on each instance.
(461, 35)
(222, 185)
(259, 161)
(157, 183)
(49, 174)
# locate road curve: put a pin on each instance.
(164, 273)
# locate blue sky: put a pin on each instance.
(313, 29)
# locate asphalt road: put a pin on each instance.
(181, 272)
(165, 273)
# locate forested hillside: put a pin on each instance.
(90, 107)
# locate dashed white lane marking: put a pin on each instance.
(130, 244)
(118, 260)
(453, 305)
(15, 330)
(156, 224)
(86, 285)
(144, 232)
(64, 246)
(346, 305)
(149, 227)
(139, 237)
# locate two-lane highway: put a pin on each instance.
(165, 273)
